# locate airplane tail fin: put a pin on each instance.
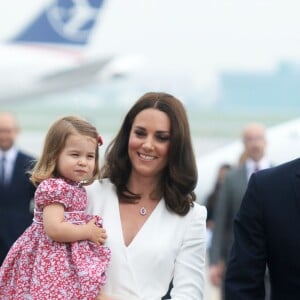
(65, 22)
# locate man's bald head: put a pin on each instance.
(254, 139)
(9, 129)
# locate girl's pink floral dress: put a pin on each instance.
(38, 268)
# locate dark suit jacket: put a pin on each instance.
(267, 231)
(228, 204)
(15, 198)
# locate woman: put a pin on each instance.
(155, 230)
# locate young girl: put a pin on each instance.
(60, 256)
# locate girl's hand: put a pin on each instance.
(103, 297)
(97, 234)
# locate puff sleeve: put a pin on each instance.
(53, 190)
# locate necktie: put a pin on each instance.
(256, 168)
(2, 175)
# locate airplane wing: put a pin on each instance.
(75, 76)
(58, 81)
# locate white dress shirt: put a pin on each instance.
(167, 245)
(251, 165)
(10, 159)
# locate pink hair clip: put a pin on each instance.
(100, 141)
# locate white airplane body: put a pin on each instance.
(283, 144)
(52, 51)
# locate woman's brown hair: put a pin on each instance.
(179, 178)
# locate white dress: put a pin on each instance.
(167, 246)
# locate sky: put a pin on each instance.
(194, 38)
(204, 37)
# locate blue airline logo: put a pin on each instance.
(63, 22)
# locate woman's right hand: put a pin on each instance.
(96, 234)
(103, 297)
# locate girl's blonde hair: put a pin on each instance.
(55, 141)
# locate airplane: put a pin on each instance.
(283, 144)
(51, 52)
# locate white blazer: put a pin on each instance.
(167, 246)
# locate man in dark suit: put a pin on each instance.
(230, 198)
(16, 191)
(266, 233)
